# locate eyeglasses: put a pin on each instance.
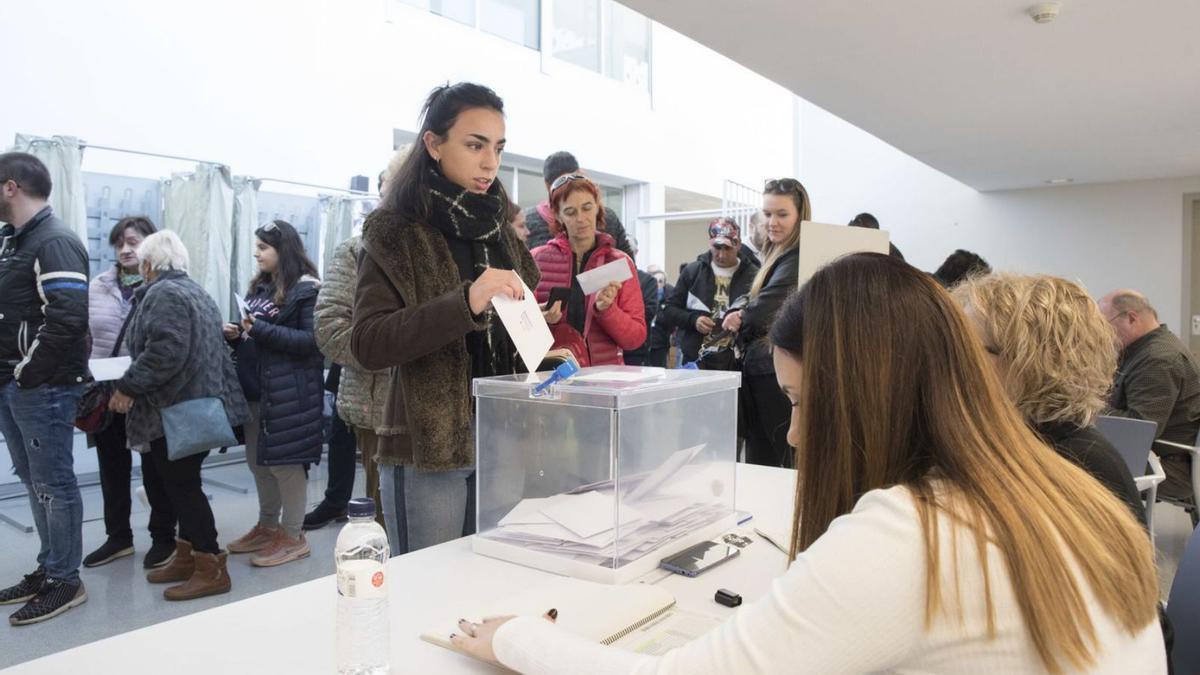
(566, 178)
(269, 226)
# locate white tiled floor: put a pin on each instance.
(119, 599)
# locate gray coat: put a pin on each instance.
(178, 355)
(362, 394)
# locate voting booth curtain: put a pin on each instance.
(63, 157)
(199, 207)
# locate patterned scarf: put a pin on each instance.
(472, 224)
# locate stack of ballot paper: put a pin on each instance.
(589, 525)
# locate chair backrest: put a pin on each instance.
(1132, 438)
(1184, 609)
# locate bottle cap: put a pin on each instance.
(363, 507)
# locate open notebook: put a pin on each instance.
(597, 612)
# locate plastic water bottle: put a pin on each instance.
(363, 637)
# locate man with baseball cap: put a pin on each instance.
(706, 288)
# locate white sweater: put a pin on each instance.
(853, 603)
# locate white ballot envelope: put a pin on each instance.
(593, 280)
(526, 327)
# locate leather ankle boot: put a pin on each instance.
(179, 569)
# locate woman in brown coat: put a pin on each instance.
(435, 253)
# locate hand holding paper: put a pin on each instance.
(492, 282)
(525, 324)
(593, 280)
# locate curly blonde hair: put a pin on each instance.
(1058, 353)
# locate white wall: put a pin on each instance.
(1104, 235)
(311, 89)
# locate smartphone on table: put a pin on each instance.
(704, 556)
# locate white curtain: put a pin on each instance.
(337, 222)
(63, 156)
(198, 206)
(245, 222)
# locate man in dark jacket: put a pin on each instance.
(1157, 380)
(706, 288)
(43, 363)
(537, 218)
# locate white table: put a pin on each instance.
(292, 630)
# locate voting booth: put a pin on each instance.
(611, 471)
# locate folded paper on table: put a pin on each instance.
(597, 612)
(104, 370)
(587, 524)
(589, 514)
(593, 280)
(660, 475)
(526, 327)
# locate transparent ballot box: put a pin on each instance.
(607, 473)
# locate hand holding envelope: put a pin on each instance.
(525, 325)
(596, 279)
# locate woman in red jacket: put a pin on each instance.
(599, 327)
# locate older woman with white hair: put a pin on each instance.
(178, 354)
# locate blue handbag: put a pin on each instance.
(195, 426)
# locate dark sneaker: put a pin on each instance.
(323, 515)
(160, 553)
(108, 552)
(52, 599)
(25, 590)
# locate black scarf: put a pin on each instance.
(472, 224)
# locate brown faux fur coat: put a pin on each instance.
(411, 314)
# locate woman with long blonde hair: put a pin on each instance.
(934, 532)
(764, 408)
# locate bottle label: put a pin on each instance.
(361, 579)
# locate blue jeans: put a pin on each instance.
(422, 508)
(39, 427)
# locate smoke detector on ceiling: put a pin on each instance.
(1045, 12)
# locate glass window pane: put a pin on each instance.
(505, 174)
(576, 35)
(462, 11)
(532, 188)
(514, 20)
(614, 198)
(628, 46)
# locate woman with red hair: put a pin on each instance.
(597, 328)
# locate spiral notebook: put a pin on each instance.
(597, 612)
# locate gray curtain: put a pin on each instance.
(338, 214)
(245, 222)
(63, 156)
(198, 206)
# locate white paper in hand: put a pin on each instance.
(242, 306)
(106, 370)
(592, 281)
(697, 305)
(526, 327)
